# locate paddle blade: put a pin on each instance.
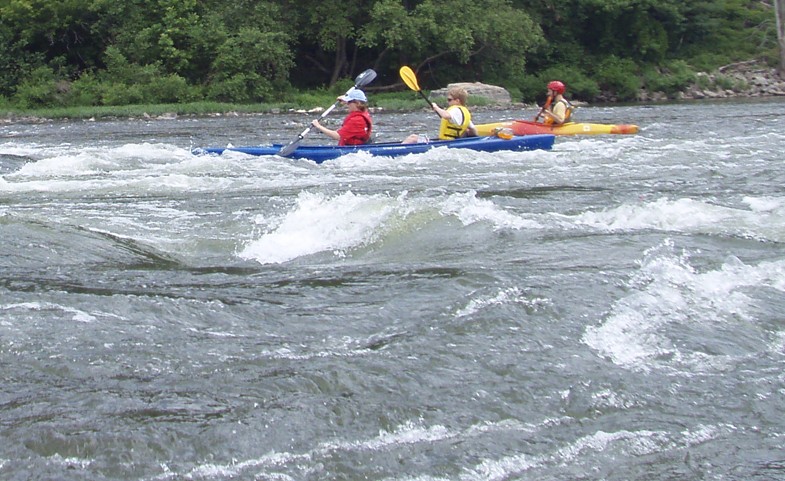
(364, 78)
(409, 78)
(287, 149)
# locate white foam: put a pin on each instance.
(469, 210)
(502, 297)
(322, 223)
(319, 223)
(764, 221)
(76, 314)
(669, 296)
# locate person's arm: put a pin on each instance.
(455, 116)
(328, 132)
(443, 113)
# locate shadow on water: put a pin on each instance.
(536, 192)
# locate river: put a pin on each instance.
(612, 309)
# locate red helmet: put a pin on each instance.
(557, 87)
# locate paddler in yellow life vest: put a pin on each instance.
(456, 118)
(559, 109)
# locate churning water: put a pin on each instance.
(612, 309)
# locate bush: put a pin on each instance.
(38, 90)
(250, 66)
(727, 82)
(579, 86)
(122, 94)
(85, 91)
(170, 89)
(707, 62)
(240, 87)
(670, 79)
(702, 81)
(618, 77)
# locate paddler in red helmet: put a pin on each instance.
(557, 110)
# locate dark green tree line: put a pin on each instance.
(102, 52)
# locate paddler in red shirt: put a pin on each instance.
(356, 128)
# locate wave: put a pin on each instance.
(678, 318)
(568, 459)
(762, 221)
(319, 222)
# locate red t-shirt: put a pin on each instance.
(356, 129)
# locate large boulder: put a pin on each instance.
(492, 93)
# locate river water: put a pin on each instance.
(613, 309)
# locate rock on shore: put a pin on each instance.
(492, 93)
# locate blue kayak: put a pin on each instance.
(326, 152)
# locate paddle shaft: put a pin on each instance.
(427, 100)
(410, 79)
(332, 107)
(545, 106)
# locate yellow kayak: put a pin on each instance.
(528, 127)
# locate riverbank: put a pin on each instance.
(739, 80)
(310, 103)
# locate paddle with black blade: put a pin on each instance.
(410, 79)
(362, 80)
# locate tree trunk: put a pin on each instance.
(779, 7)
(341, 61)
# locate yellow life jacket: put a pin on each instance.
(568, 108)
(450, 131)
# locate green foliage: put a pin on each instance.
(726, 82)
(618, 76)
(671, 78)
(122, 94)
(250, 66)
(341, 86)
(54, 29)
(103, 52)
(40, 88)
(171, 88)
(487, 38)
(126, 83)
(85, 91)
(239, 87)
(702, 81)
(726, 31)
(579, 86)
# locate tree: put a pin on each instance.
(62, 29)
(779, 7)
(455, 39)
(326, 34)
(250, 66)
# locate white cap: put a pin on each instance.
(354, 94)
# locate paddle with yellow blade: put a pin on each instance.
(362, 80)
(410, 79)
